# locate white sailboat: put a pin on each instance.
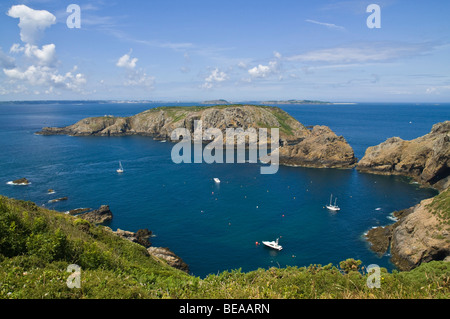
(333, 207)
(216, 180)
(120, 170)
(273, 244)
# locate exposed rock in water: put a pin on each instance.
(58, 200)
(422, 234)
(171, 259)
(426, 159)
(20, 181)
(321, 148)
(77, 211)
(140, 237)
(298, 145)
(98, 216)
(380, 239)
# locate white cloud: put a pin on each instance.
(45, 56)
(136, 77)
(242, 65)
(375, 52)
(216, 76)
(437, 89)
(32, 22)
(328, 25)
(37, 71)
(127, 62)
(48, 77)
(139, 78)
(262, 71)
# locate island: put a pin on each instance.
(295, 102)
(317, 146)
(216, 102)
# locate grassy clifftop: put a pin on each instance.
(37, 245)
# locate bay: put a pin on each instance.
(216, 227)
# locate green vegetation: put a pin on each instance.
(37, 246)
(441, 206)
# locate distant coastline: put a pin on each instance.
(299, 102)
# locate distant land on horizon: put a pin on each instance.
(214, 102)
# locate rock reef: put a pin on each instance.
(426, 159)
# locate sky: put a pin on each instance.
(246, 50)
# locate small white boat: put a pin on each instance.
(216, 180)
(333, 207)
(120, 170)
(273, 244)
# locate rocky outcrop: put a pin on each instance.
(169, 257)
(299, 146)
(58, 199)
(98, 216)
(426, 159)
(421, 234)
(20, 181)
(320, 148)
(140, 237)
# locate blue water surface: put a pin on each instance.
(215, 227)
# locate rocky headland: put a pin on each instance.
(103, 215)
(422, 232)
(299, 146)
(426, 159)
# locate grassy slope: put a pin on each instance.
(178, 113)
(37, 245)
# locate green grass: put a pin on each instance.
(441, 206)
(37, 246)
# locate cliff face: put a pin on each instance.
(160, 122)
(427, 158)
(298, 145)
(421, 234)
(321, 148)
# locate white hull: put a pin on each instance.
(216, 180)
(334, 207)
(273, 244)
(120, 170)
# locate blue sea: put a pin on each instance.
(215, 227)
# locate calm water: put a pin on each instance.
(215, 227)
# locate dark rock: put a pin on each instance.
(171, 259)
(140, 237)
(58, 200)
(380, 239)
(98, 216)
(78, 211)
(21, 181)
